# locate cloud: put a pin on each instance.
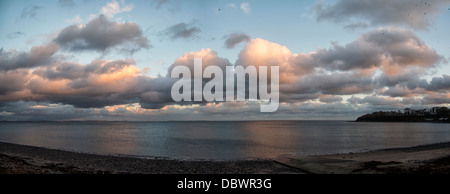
(325, 87)
(181, 31)
(13, 81)
(399, 56)
(408, 77)
(245, 7)
(383, 68)
(399, 91)
(38, 56)
(236, 38)
(77, 20)
(97, 84)
(112, 8)
(330, 99)
(15, 34)
(160, 3)
(439, 84)
(260, 52)
(391, 49)
(30, 11)
(337, 83)
(101, 34)
(414, 14)
(209, 58)
(437, 99)
(376, 100)
(357, 25)
(322, 76)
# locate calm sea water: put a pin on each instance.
(221, 140)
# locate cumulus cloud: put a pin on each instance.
(236, 38)
(13, 81)
(439, 84)
(37, 56)
(260, 52)
(97, 84)
(414, 14)
(101, 34)
(181, 31)
(383, 68)
(208, 56)
(399, 91)
(391, 49)
(337, 83)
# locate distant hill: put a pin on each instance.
(435, 114)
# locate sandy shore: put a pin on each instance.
(423, 159)
(21, 159)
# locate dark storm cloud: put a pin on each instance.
(415, 14)
(181, 31)
(101, 34)
(234, 39)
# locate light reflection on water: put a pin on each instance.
(221, 140)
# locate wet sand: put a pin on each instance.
(21, 159)
(423, 159)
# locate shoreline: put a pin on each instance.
(24, 159)
(421, 159)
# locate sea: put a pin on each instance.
(221, 140)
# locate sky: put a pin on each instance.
(111, 59)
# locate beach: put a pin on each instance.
(22, 159)
(424, 159)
